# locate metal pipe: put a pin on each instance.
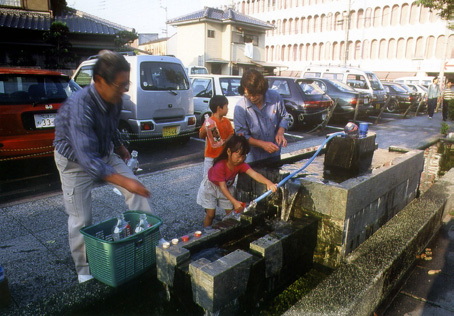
(283, 181)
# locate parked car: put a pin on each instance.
(204, 87)
(359, 79)
(348, 99)
(414, 96)
(29, 100)
(159, 100)
(419, 89)
(305, 102)
(400, 98)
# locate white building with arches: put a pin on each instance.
(390, 37)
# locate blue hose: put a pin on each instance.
(264, 195)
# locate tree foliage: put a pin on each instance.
(123, 38)
(445, 7)
(60, 52)
(58, 6)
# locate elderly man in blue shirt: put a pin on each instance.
(88, 149)
(261, 117)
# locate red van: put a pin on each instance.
(29, 100)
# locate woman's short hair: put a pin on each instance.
(109, 64)
(254, 82)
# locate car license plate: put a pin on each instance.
(169, 131)
(44, 120)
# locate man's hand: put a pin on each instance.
(123, 153)
(269, 147)
(132, 185)
(280, 138)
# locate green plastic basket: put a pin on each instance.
(116, 262)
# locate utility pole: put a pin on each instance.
(167, 26)
(347, 29)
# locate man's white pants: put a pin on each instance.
(76, 187)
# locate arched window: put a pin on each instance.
(335, 55)
(357, 50)
(322, 23)
(434, 17)
(360, 19)
(450, 51)
(310, 24)
(391, 48)
(368, 18)
(419, 49)
(430, 46)
(410, 48)
(327, 54)
(329, 22)
(382, 49)
(302, 53)
(297, 25)
(353, 19)
(278, 29)
(321, 50)
(282, 57)
(284, 27)
(374, 49)
(342, 50)
(309, 52)
(337, 21)
(315, 52)
(414, 13)
(291, 27)
(400, 52)
(377, 17)
(303, 25)
(316, 23)
(404, 14)
(423, 18)
(394, 15)
(289, 52)
(366, 49)
(386, 14)
(274, 28)
(295, 52)
(439, 50)
(272, 53)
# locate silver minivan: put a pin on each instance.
(159, 103)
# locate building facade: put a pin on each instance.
(223, 40)
(390, 37)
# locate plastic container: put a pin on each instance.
(122, 228)
(116, 262)
(213, 135)
(143, 224)
(133, 163)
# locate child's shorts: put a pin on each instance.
(210, 196)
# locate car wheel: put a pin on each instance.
(392, 106)
(291, 121)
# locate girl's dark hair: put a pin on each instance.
(234, 143)
(254, 81)
(218, 100)
(109, 64)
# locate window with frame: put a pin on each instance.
(11, 3)
(210, 33)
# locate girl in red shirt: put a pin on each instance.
(217, 189)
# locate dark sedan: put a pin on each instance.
(348, 99)
(305, 103)
(400, 98)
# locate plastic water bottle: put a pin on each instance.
(213, 134)
(133, 163)
(5, 298)
(122, 229)
(143, 224)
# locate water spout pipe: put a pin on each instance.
(283, 181)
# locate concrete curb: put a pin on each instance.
(378, 266)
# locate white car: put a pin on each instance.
(204, 87)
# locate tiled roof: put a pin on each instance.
(223, 16)
(77, 21)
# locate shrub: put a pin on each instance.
(444, 129)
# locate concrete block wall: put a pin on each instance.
(379, 264)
